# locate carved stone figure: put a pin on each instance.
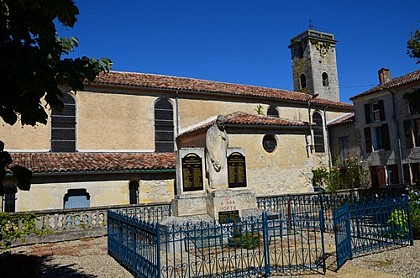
(216, 154)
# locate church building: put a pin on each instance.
(115, 142)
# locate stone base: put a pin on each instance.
(188, 205)
(230, 200)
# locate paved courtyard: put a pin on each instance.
(89, 258)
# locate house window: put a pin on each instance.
(164, 126)
(412, 133)
(343, 147)
(378, 176)
(269, 143)
(377, 138)
(76, 198)
(63, 126)
(415, 172)
(273, 112)
(325, 81)
(414, 107)
(318, 133)
(134, 192)
(9, 198)
(374, 112)
(302, 79)
(392, 174)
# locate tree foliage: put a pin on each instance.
(413, 46)
(32, 65)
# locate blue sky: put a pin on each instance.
(245, 41)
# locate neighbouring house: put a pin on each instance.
(115, 142)
(388, 129)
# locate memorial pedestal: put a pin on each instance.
(230, 203)
(188, 205)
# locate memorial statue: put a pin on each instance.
(216, 154)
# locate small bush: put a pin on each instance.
(247, 240)
(398, 221)
(414, 195)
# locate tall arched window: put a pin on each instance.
(302, 81)
(63, 126)
(273, 112)
(164, 126)
(325, 80)
(318, 133)
(133, 187)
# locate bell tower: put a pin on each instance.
(314, 64)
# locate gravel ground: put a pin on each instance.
(89, 258)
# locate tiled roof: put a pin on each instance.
(402, 80)
(44, 163)
(241, 118)
(347, 118)
(183, 84)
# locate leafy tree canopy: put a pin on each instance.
(413, 46)
(32, 66)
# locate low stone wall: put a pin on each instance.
(71, 224)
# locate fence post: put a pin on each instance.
(410, 228)
(322, 229)
(158, 272)
(266, 244)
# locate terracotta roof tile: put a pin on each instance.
(241, 118)
(145, 80)
(347, 118)
(402, 80)
(93, 162)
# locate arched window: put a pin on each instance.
(302, 81)
(325, 80)
(63, 126)
(318, 133)
(76, 198)
(273, 112)
(164, 126)
(133, 187)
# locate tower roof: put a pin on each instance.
(313, 34)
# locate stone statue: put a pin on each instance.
(216, 154)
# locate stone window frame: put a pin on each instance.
(325, 79)
(318, 130)
(164, 125)
(267, 143)
(273, 111)
(63, 126)
(302, 81)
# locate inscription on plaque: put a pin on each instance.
(236, 170)
(192, 172)
(228, 216)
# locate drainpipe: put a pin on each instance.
(328, 138)
(394, 117)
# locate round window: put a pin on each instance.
(269, 143)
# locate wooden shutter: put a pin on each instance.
(368, 140)
(407, 134)
(385, 137)
(380, 173)
(381, 110)
(368, 112)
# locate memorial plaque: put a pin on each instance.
(192, 172)
(228, 216)
(236, 170)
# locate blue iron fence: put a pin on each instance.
(287, 238)
(271, 243)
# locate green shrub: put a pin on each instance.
(398, 221)
(247, 240)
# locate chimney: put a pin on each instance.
(384, 75)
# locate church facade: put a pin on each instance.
(115, 142)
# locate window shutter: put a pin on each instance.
(381, 110)
(367, 113)
(385, 137)
(368, 140)
(407, 134)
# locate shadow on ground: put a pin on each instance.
(22, 266)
